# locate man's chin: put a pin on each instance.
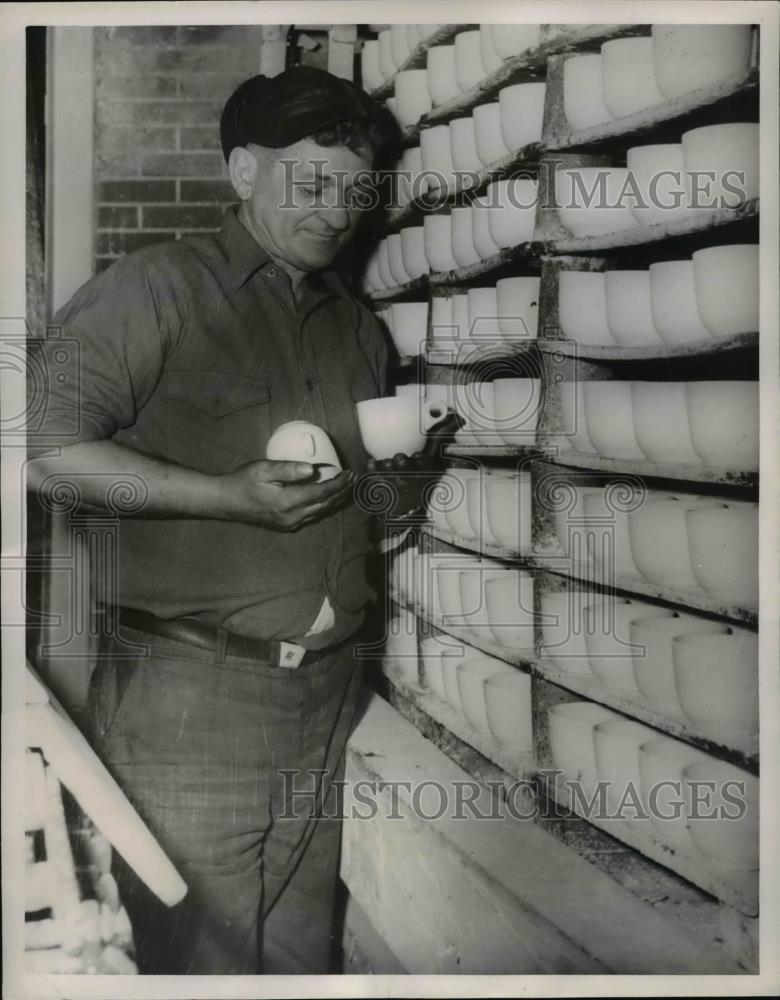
(313, 258)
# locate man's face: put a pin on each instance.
(302, 208)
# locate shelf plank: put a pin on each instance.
(677, 110)
(612, 352)
(692, 598)
(399, 291)
(520, 766)
(641, 235)
(474, 545)
(737, 889)
(495, 451)
(740, 750)
(679, 471)
(529, 253)
(468, 353)
(418, 56)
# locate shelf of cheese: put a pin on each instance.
(737, 888)
(436, 198)
(699, 223)
(685, 112)
(693, 598)
(740, 750)
(529, 65)
(520, 766)
(416, 59)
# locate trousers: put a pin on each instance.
(235, 765)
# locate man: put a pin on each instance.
(241, 581)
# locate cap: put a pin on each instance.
(279, 110)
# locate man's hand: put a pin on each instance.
(405, 478)
(281, 495)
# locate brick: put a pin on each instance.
(122, 149)
(199, 138)
(117, 151)
(183, 164)
(213, 86)
(181, 216)
(219, 192)
(118, 243)
(140, 190)
(131, 86)
(126, 60)
(147, 35)
(117, 217)
(173, 112)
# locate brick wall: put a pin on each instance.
(159, 92)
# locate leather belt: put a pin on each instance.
(195, 633)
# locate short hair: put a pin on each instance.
(357, 136)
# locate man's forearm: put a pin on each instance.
(97, 470)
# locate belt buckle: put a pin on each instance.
(290, 655)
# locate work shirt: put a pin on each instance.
(194, 351)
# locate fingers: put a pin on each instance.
(283, 472)
(302, 497)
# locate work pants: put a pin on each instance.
(234, 765)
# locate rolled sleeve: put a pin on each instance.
(102, 357)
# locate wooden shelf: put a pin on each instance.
(474, 545)
(612, 352)
(529, 66)
(679, 471)
(532, 252)
(483, 640)
(399, 291)
(692, 598)
(700, 223)
(468, 353)
(438, 199)
(527, 253)
(738, 889)
(740, 750)
(495, 451)
(685, 111)
(418, 56)
(519, 766)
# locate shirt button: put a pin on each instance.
(271, 272)
(309, 385)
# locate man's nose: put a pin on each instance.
(338, 217)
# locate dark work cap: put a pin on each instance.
(279, 110)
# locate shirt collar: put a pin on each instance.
(245, 257)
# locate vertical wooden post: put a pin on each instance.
(273, 53)
(341, 50)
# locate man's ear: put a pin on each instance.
(242, 167)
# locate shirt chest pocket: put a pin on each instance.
(217, 421)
